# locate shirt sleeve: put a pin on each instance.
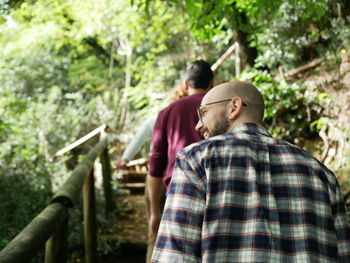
(179, 234)
(139, 140)
(342, 227)
(159, 154)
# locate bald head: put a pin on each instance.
(254, 110)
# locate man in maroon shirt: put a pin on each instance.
(175, 129)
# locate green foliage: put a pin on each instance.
(62, 75)
(289, 108)
(25, 184)
(338, 35)
(319, 124)
(219, 15)
(284, 32)
(20, 199)
(68, 66)
(292, 34)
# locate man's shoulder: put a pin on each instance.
(300, 156)
(182, 104)
(196, 98)
(203, 146)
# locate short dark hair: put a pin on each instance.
(199, 74)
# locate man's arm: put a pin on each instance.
(179, 235)
(157, 166)
(121, 164)
(137, 142)
(156, 189)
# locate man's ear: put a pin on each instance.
(211, 84)
(235, 108)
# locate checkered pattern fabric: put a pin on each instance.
(246, 197)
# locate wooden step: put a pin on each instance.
(134, 188)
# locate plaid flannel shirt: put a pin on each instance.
(246, 197)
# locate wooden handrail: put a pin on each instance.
(71, 189)
(33, 237)
(80, 141)
(52, 221)
(229, 51)
(137, 162)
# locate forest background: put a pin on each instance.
(68, 66)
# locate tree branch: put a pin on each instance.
(99, 49)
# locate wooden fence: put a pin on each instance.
(49, 228)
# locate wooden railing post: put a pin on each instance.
(56, 248)
(90, 237)
(237, 60)
(107, 175)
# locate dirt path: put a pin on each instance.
(132, 226)
(132, 218)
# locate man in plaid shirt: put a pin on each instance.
(243, 196)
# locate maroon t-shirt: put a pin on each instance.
(174, 129)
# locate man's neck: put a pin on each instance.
(233, 125)
(196, 91)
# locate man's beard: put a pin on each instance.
(220, 127)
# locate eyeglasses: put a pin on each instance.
(199, 108)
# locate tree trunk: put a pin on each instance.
(248, 54)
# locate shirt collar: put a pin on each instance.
(251, 128)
